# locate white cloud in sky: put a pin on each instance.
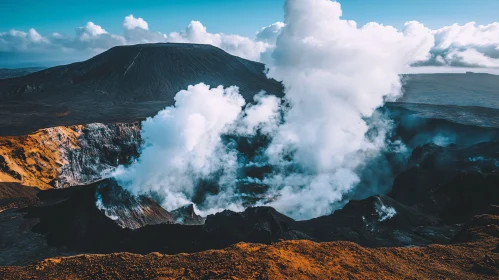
(241, 46)
(94, 39)
(18, 40)
(35, 37)
(90, 30)
(469, 45)
(136, 31)
(131, 22)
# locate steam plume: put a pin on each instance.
(335, 75)
(183, 146)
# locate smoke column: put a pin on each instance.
(183, 146)
(335, 75)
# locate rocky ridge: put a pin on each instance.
(60, 157)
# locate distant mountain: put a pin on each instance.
(123, 84)
(6, 73)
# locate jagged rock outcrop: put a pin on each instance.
(101, 147)
(186, 215)
(127, 210)
(60, 157)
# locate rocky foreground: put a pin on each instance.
(476, 257)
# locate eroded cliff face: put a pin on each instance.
(61, 156)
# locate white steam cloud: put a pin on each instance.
(183, 145)
(335, 75)
(270, 33)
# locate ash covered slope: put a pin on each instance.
(124, 84)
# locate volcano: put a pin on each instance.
(123, 84)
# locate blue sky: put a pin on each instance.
(229, 16)
(242, 17)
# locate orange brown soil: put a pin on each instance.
(478, 259)
(35, 159)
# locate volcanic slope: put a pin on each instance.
(123, 84)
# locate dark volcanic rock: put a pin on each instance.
(74, 221)
(457, 182)
(127, 210)
(380, 221)
(123, 84)
(93, 217)
(187, 216)
(256, 224)
(15, 195)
